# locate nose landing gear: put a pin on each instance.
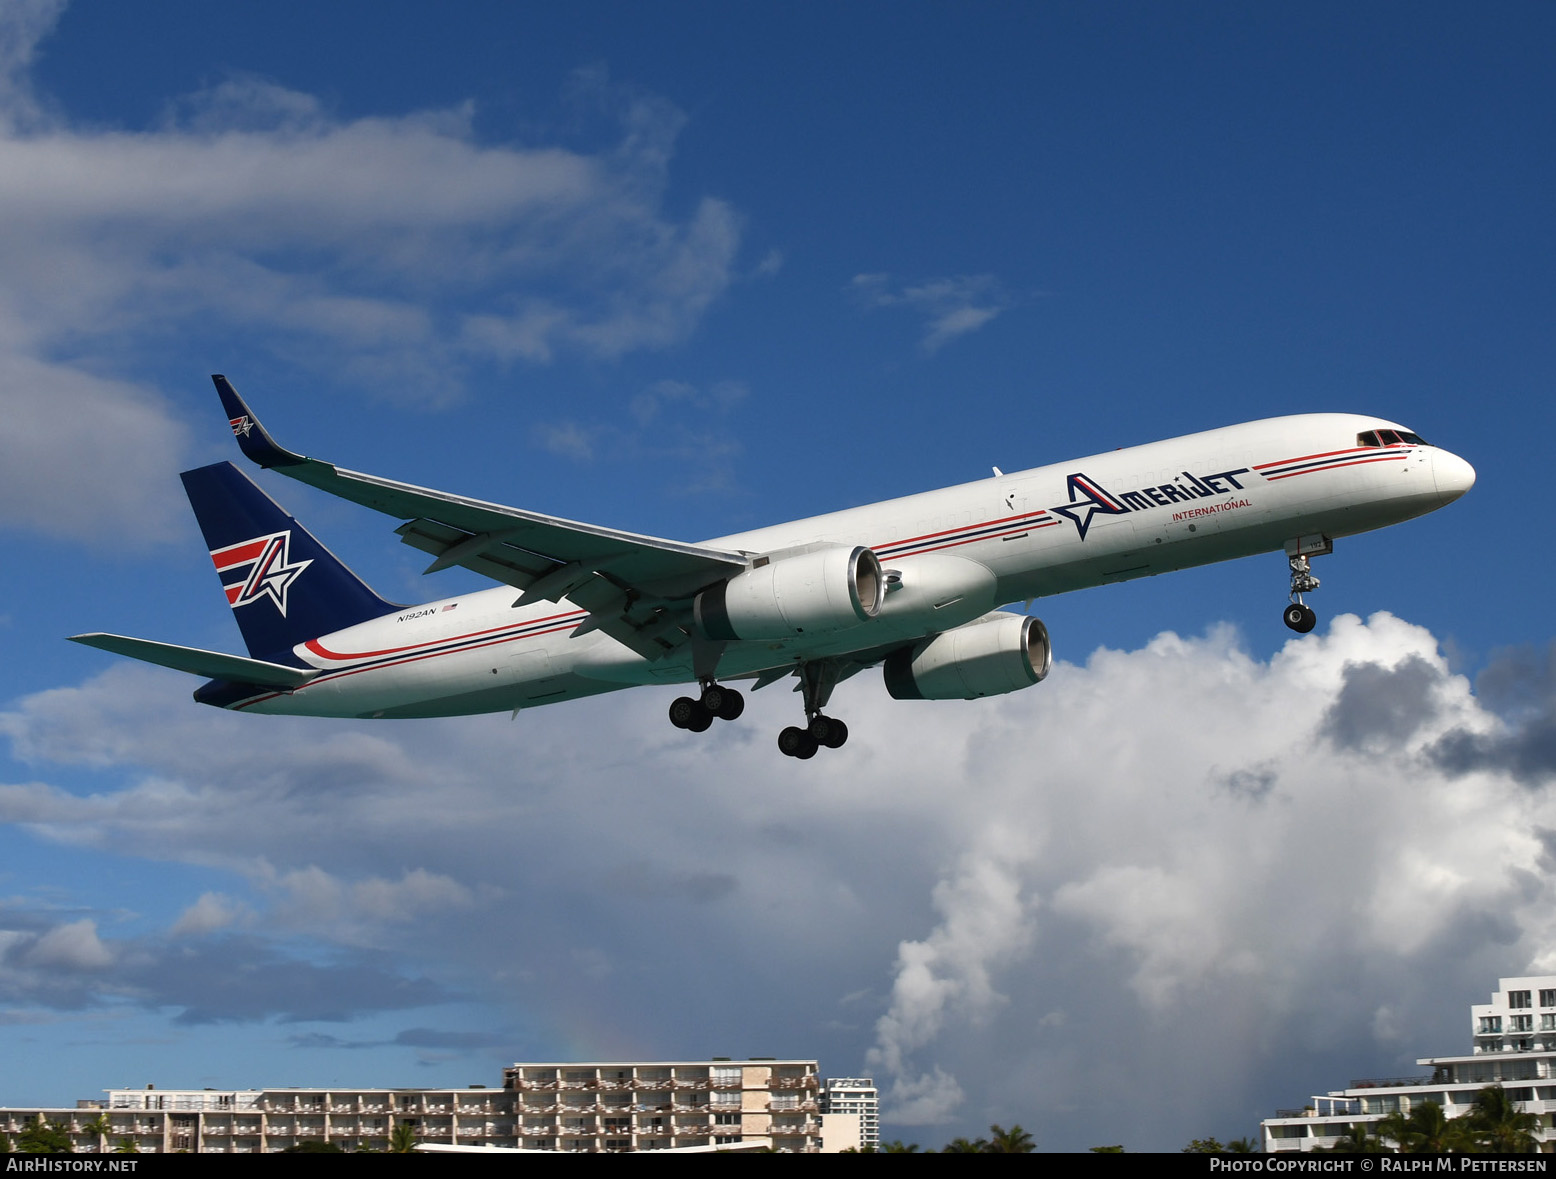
(1299, 615)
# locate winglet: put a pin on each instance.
(253, 439)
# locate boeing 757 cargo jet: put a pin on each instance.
(911, 585)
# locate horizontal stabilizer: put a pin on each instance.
(211, 664)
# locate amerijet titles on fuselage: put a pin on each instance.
(912, 585)
(1087, 497)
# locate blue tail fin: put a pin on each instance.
(283, 585)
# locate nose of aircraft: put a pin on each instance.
(1453, 475)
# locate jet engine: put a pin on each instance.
(988, 657)
(813, 593)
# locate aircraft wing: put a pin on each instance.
(637, 589)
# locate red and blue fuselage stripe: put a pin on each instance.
(1331, 461)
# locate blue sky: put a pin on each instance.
(686, 270)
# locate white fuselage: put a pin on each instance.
(950, 556)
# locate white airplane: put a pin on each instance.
(911, 584)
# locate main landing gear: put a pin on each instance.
(1299, 615)
(816, 681)
(716, 703)
(803, 743)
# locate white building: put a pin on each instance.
(842, 1096)
(254, 1121)
(600, 1106)
(1514, 1038)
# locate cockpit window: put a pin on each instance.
(1390, 438)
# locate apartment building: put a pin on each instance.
(631, 1105)
(858, 1096)
(600, 1106)
(1513, 1041)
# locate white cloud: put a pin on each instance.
(314, 900)
(951, 307)
(74, 947)
(1054, 906)
(567, 440)
(212, 912)
(395, 251)
(85, 456)
(985, 923)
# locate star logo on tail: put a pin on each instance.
(259, 568)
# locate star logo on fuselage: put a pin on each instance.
(1087, 499)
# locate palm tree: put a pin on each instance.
(1359, 1139)
(1429, 1130)
(99, 1126)
(1499, 1126)
(40, 1137)
(1012, 1141)
(896, 1146)
(402, 1139)
(963, 1146)
(1242, 1146)
(1393, 1127)
(126, 1146)
(1204, 1146)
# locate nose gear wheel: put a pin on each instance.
(1299, 615)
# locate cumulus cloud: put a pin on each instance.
(210, 913)
(75, 946)
(985, 922)
(395, 251)
(1521, 686)
(313, 899)
(1051, 908)
(951, 307)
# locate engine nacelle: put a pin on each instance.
(812, 593)
(979, 659)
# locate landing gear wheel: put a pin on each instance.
(701, 722)
(828, 731)
(713, 698)
(684, 710)
(729, 707)
(796, 742)
(1300, 618)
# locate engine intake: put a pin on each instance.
(984, 658)
(818, 592)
